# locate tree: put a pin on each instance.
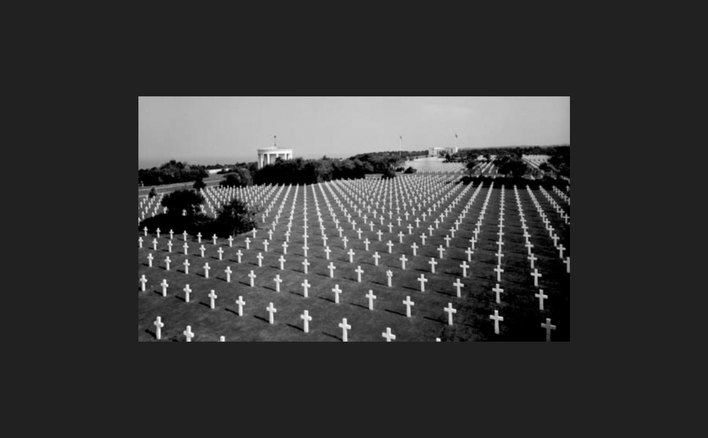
(240, 177)
(152, 193)
(235, 217)
(199, 184)
(182, 200)
(388, 173)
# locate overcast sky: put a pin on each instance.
(213, 130)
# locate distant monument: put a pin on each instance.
(270, 154)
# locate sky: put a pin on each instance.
(211, 130)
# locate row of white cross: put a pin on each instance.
(331, 267)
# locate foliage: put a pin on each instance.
(171, 172)
(152, 193)
(234, 218)
(199, 184)
(388, 173)
(239, 177)
(182, 200)
(410, 170)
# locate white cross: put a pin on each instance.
(371, 298)
(457, 284)
(158, 326)
(199, 237)
(164, 287)
(358, 271)
(541, 296)
(306, 318)
(285, 247)
(260, 259)
(271, 310)
(400, 237)
(464, 267)
(366, 243)
(206, 269)
(379, 233)
(548, 326)
(423, 237)
(496, 319)
(389, 275)
(265, 245)
(214, 238)
(248, 243)
(535, 274)
(567, 264)
(469, 253)
(184, 235)
(532, 258)
(430, 230)
(186, 266)
(336, 291)
(212, 296)
(447, 240)
(498, 270)
(254, 232)
(143, 280)
(305, 264)
(169, 246)
(561, 248)
(408, 304)
(277, 282)
(388, 335)
(415, 248)
(497, 290)
(305, 286)
(172, 233)
(187, 291)
(441, 250)
(351, 255)
(499, 256)
(555, 239)
(240, 304)
(238, 255)
(432, 264)
(149, 257)
(231, 241)
(422, 280)
(344, 326)
(376, 258)
(251, 276)
(146, 231)
(281, 260)
(140, 242)
(331, 268)
(188, 333)
(390, 245)
(221, 253)
(327, 250)
(403, 260)
(450, 311)
(345, 240)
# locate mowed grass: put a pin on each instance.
(519, 307)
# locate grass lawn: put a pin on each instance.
(519, 307)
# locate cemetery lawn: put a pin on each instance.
(519, 307)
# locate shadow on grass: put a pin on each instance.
(395, 312)
(359, 305)
(262, 319)
(332, 336)
(435, 320)
(300, 329)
